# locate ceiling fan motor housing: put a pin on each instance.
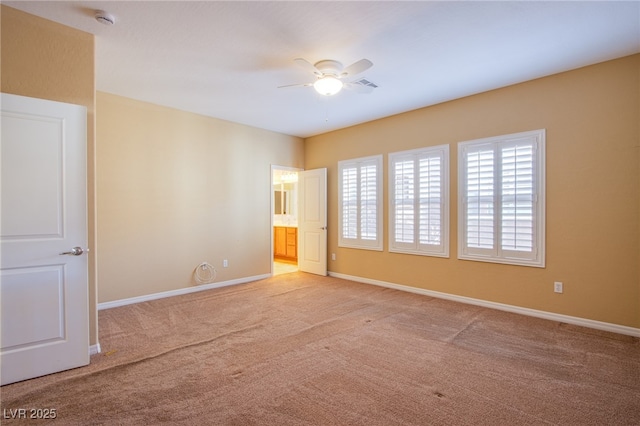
(329, 66)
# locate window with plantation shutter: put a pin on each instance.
(419, 201)
(360, 203)
(501, 199)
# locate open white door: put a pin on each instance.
(43, 238)
(312, 221)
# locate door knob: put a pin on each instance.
(76, 251)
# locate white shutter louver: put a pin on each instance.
(349, 203)
(517, 198)
(480, 198)
(430, 183)
(404, 201)
(368, 202)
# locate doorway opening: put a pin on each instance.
(284, 219)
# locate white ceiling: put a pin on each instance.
(227, 59)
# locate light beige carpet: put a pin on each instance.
(300, 349)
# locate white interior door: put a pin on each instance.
(312, 221)
(43, 291)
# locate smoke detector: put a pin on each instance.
(105, 18)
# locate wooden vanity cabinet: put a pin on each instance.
(285, 243)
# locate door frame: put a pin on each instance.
(272, 212)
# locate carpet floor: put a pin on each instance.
(299, 349)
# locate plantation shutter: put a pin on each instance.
(518, 192)
(360, 200)
(502, 199)
(368, 202)
(350, 202)
(404, 206)
(480, 199)
(419, 201)
(431, 200)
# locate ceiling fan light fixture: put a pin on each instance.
(328, 85)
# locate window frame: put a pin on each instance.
(359, 242)
(497, 254)
(415, 247)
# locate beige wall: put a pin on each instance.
(43, 59)
(593, 192)
(176, 189)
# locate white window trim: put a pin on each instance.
(416, 248)
(358, 242)
(497, 255)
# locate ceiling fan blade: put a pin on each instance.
(308, 66)
(356, 68)
(358, 88)
(296, 85)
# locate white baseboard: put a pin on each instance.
(178, 292)
(94, 349)
(598, 325)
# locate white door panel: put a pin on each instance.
(32, 192)
(43, 294)
(36, 315)
(312, 224)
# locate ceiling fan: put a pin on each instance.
(330, 76)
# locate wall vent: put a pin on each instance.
(365, 82)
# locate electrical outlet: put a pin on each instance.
(225, 263)
(557, 287)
